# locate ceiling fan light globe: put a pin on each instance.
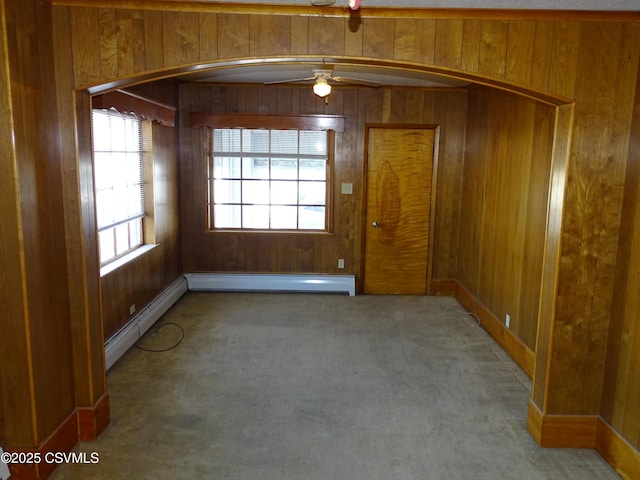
(321, 88)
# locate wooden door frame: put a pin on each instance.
(432, 203)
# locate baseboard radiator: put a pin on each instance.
(272, 283)
(128, 335)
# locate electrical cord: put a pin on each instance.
(145, 349)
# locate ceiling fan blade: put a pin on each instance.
(355, 81)
(291, 80)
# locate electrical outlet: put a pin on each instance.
(4, 468)
(132, 309)
(347, 188)
(507, 320)
(341, 263)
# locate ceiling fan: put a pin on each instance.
(323, 79)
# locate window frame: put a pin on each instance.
(208, 122)
(143, 220)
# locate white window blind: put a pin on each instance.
(119, 182)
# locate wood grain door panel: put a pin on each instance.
(398, 208)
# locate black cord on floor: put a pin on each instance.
(168, 348)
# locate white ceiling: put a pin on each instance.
(279, 72)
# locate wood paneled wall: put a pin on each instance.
(140, 280)
(503, 209)
(319, 253)
(606, 63)
(621, 392)
(37, 383)
(589, 60)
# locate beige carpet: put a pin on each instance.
(320, 387)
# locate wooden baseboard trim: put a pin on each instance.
(443, 287)
(62, 440)
(83, 424)
(562, 431)
(92, 421)
(585, 431)
(521, 354)
(618, 452)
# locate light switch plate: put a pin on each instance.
(347, 188)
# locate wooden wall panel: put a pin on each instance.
(233, 35)
(472, 31)
(448, 43)
(299, 32)
(378, 37)
(353, 41)
(408, 40)
(326, 36)
(504, 204)
(269, 35)
(38, 390)
(84, 27)
(108, 31)
(256, 252)
(139, 281)
(493, 48)
(131, 42)
(541, 61)
(520, 50)
(566, 57)
(620, 393)
(181, 37)
(585, 284)
(153, 50)
(16, 420)
(208, 33)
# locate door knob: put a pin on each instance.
(375, 224)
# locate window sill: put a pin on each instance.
(129, 257)
(271, 232)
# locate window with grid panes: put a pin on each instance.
(118, 155)
(268, 179)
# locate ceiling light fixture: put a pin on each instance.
(321, 88)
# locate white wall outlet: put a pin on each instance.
(347, 188)
(4, 468)
(341, 263)
(507, 320)
(132, 309)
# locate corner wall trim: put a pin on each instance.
(127, 336)
(93, 420)
(272, 282)
(562, 431)
(585, 431)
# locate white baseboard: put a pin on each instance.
(128, 335)
(272, 282)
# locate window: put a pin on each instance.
(268, 179)
(119, 158)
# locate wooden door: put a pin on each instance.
(400, 183)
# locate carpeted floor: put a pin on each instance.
(322, 387)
